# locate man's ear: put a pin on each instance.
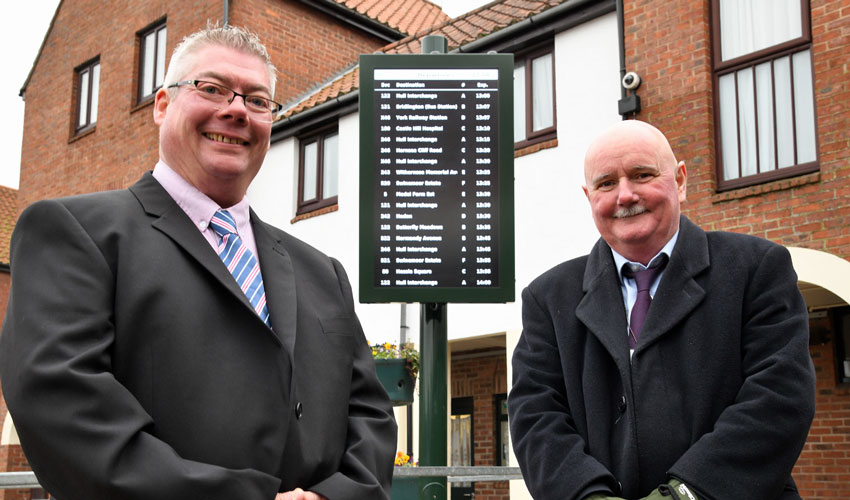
(160, 104)
(682, 181)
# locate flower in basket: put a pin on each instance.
(404, 351)
(402, 459)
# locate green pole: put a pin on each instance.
(433, 389)
(433, 393)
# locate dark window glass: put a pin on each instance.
(151, 61)
(534, 97)
(88, 86)
(318, 170)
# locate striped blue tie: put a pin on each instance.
(241, 263)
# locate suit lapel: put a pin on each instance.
(678, 293)
(279, 282)
(601, 308)
(172, 221)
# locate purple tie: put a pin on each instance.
(644, 279)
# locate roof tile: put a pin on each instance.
(459, 31)
(8, 218)
(406, 16)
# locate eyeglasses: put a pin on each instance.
(220, 94)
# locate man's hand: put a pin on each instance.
(299, 494)
(674, 490)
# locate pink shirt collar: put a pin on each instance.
(200, 208)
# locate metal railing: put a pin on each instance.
(461, 474)
(17, 480)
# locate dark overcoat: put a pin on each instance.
(135, 368)
(719, 392)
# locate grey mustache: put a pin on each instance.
(629, 211)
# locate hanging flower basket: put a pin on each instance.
(397, 368)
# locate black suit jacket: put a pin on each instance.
(719, 393)
(135, 368)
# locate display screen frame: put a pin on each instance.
(502, 282)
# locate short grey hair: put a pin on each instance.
(214, 35)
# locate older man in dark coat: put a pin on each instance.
(711, 398)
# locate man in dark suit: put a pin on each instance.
(708, 395)
(137, 366)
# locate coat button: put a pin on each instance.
(299, 410)
(621, 404)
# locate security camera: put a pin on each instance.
(631, 81)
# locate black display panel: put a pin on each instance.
(436, 178)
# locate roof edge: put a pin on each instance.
(23, 90)
(556, 18)
(360, 21)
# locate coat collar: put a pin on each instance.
(602, 311)
(678, 292)
(278, 277)
(601, 308)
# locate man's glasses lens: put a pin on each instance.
(218, 92)
(221, 94)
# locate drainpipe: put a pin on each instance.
(628, 104)
(621, 36)
(225, 15)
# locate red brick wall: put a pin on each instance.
(482, 378)
(669, 45)
(823, 470)
(307, 46)
(124, 142)
(12, 459)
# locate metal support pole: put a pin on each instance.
(433, 388)
(433, 394)
(434, 44)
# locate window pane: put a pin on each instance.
(160, 58)
(747, 122)
(542, 95)
(764, 106)
(84, 99)
(461, 443)
(148, 64)
(728, 126)
(310, 172)
(784, 116)
(804, 111)
(95, 88)
(330, 166)
(750, 25)
(519, 102)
